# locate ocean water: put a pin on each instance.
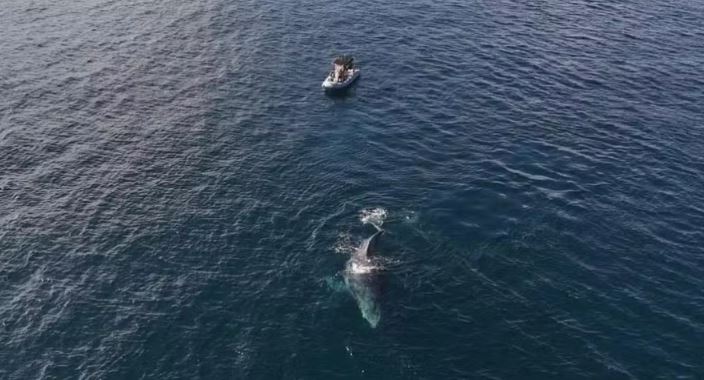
(179, 199)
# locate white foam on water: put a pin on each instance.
(410, 217)
(373, 216)
(345, 244)
(363, 268)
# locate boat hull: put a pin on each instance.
(330, 85)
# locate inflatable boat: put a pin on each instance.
(343, 74)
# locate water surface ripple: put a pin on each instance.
(174, 188)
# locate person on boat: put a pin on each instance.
(339, 73)
(343, 74)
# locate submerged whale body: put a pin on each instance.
(361, 278)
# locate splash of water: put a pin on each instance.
(373, 216)
(364, 268)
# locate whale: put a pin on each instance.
(362, 278)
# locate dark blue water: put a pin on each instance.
(178, 198)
